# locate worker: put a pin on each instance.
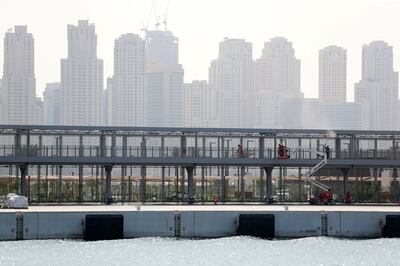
(215, 200)
(240, 151)
(327, 151)
(325, 197)
(347, 198)
(283, 152)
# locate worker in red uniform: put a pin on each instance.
(347, 198)
(325, 197)
(240, 151)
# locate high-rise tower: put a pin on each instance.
(230, 77)
(127, 91)
(377, 91)
(332, 74)
(163, 80)
(277, 78)
(81, 77)
(18, 91)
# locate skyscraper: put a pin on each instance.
(277, 78)
(127, 91)
(162, 47)
(278, 70)
(332, 74)
(197, 104)
(52, 104)
(164, 89)
(163, 80)
(18, 90)
(81, 77)
(377, 91)
(230, 78)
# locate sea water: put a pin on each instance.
(221, 251)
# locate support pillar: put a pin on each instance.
(80, 170)
(261, 184)
(162, 170)
(337, 147)
(143, 184)
(163, 184)
(190, 170)
(345, 173)
(268, 180)
(80, 184)
(24, 171)
(38, 170)
(60, 183)
(17, 153)
(223, 187)
(108, 198)
(28, 143)
(123, 168)
(202, 182)
(242, 184)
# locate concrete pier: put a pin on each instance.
(52, 222)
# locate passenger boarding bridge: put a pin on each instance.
(190, 154)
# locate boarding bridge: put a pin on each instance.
(189, 149)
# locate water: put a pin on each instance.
(223, 251)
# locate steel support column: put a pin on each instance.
(345, 174)
(268, 183)
(24, 171)
(108, 170)
(202, 183)
(163, 183)
(38, 169)
(222, 188)
(80, 171)
(242, 183)
(123, 168)
(59, 190)
(142, 187)
(162, 170)
(190, 170)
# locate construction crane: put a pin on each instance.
(153, 13)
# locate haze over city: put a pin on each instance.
(201, 25)
(231, 65)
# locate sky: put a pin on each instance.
(201, 24)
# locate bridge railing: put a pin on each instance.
(189, 152)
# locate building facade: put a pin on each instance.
(162, 47)
(81, 77)
(277, 82)
(197, 104)
(18, 90)
(127, 93)
(163, 80)
(230, 77)
(332, 74)
(164, 90)
(377, 91)
(52, 104)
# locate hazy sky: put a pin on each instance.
(202, 24)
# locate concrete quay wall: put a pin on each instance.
(36, 223)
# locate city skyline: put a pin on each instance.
(190, 27)
(148, 89)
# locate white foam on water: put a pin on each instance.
(223, 251)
